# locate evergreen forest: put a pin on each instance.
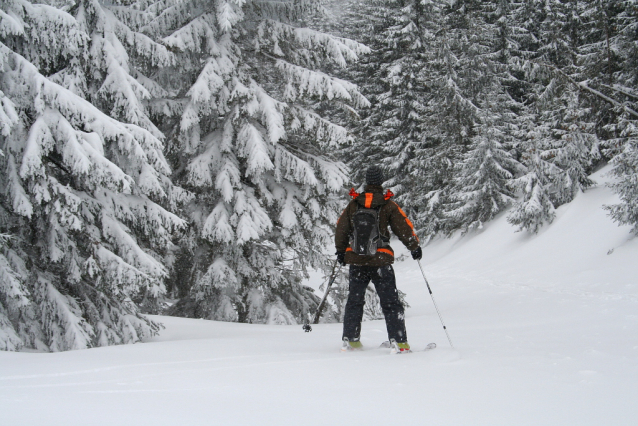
(191, 157)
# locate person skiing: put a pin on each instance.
(362, 241)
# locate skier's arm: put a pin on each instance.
(402, 227)
(342, 234)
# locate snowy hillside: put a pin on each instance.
(582, 253)
(545, 329)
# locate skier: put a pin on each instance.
(362, 241)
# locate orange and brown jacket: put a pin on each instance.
(390, 215)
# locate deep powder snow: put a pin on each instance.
(545, 329)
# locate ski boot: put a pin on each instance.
(399, 348)
(348, 345)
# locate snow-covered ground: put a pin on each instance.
(545, 329)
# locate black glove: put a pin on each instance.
(417, 254)
(341, 257)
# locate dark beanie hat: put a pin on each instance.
(374, 176)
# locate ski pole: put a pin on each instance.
(435, 305)
(333, 277)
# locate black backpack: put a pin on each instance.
(366, 237)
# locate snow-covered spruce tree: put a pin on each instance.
(123, 66)
(573, 147)
(251, 146)
(566, 129)
(582, 49)
(535, 208)
(436, 71)
(625, 85)
(602, 56)
(13, 305)
(482, 184)
(566, 138)
(416, 128)
(626, 186)
(486, 56)
(611, 64)
(361, 21)
(85, 236)
(415, 123)
(113, 77)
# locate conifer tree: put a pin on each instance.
(250, 143)
(362, 21)
(569, 139)
(626, 186)
(601, 57)
(558, 144)
(420, 117)
(553, 79)
(431, 113)
(623, 141)
(482, 187)
(535, 208)
(485, 49)
(86, 236)
(400, 123)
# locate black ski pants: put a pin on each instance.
(385, 283)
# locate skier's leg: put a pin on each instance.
(359, 279)
(385, 284)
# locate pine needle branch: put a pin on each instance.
(583, 86)
(623, 90)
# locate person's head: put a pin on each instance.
(374, 176)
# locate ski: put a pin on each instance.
(428, 347)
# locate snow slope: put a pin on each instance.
(545, 329)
